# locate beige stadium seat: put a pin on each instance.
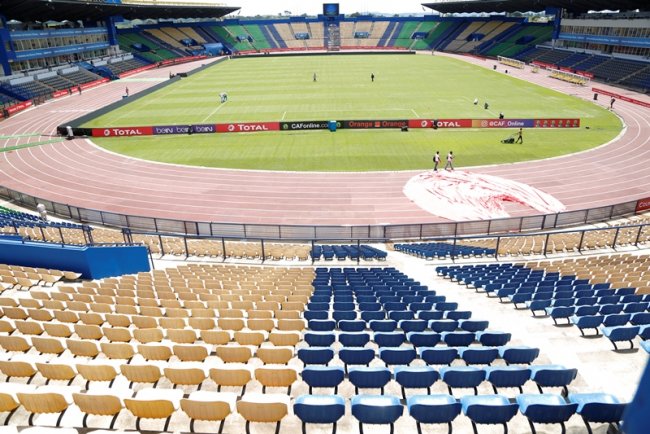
(65, 315)
(148, 335)
(117, 350)
(172, 323)
(287, 314)
(82, 348)
(155, 352)
(275, 355)
(144, 322)
(101, 402)
(261, 324)
(260, 314)
(265, 408)
(47, 399)
(297, 325)
(181, 336)
(149, 374)
(18, 368)
(16, 313)
(234, 353)
(209, 406)
(91, 318)
(7, 326)
(284, 339)
(117, 334)
(186, 374)
(254, 338)
(40, 314)
(27, 327)
(97, 371)
(57, 330)
(215, 337)
(276, 376)
(8, 399)
(234, 324)
(16, 344)
(191, 352)
(56, 372)
(48, 345)
(118, 320)
(154, 404)
(93, 332)
(201, 323)
(232, 375)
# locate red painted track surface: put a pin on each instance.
(78, 173)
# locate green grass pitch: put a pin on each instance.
(406, 86)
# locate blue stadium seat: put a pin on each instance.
(319, 409)
(561, 312)
(356, 356)
(640, 318)
(443, 325)
(376, 409)
(413, 325)
(433, 409)
(552, 376)
(319, 339)
(389, 339)
(507, 376)
(488, 409)
(458, 339)
(473, 325)
(323, 376)
(616, 319)
(621, 334)
(545, 408)
(415, 377)
(468, 377)
(352, 325)
(493, 338)
(423, 339)
(518, 355)
(315, 355)
(598, 408)
(369, 378)
(587, 322)
(438, 355)
(397, 356)
(322, 325)
(458, 314)
(316, 314)
(608, 309)
(354, 339)
(387, 325)
(428, 315)
(478, 355)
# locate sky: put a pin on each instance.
(311, 7)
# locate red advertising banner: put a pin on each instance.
(621, 97)
(94, 83)
(544, 64)
(60, 93)
(585, 74)
(181, 60)
(442, 123)
(135, 71)
(19, 107)
(248, 127)
(122, 132)
(643, 205)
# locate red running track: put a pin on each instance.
(79, 173)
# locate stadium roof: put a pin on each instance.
(576, 6)
(40, 10)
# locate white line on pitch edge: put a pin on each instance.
(415, 113)
(213, 112)
(283, 115)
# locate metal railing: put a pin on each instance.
(316, 232)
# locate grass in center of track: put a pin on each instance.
(405, 87)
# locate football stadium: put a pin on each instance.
(216, 219)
